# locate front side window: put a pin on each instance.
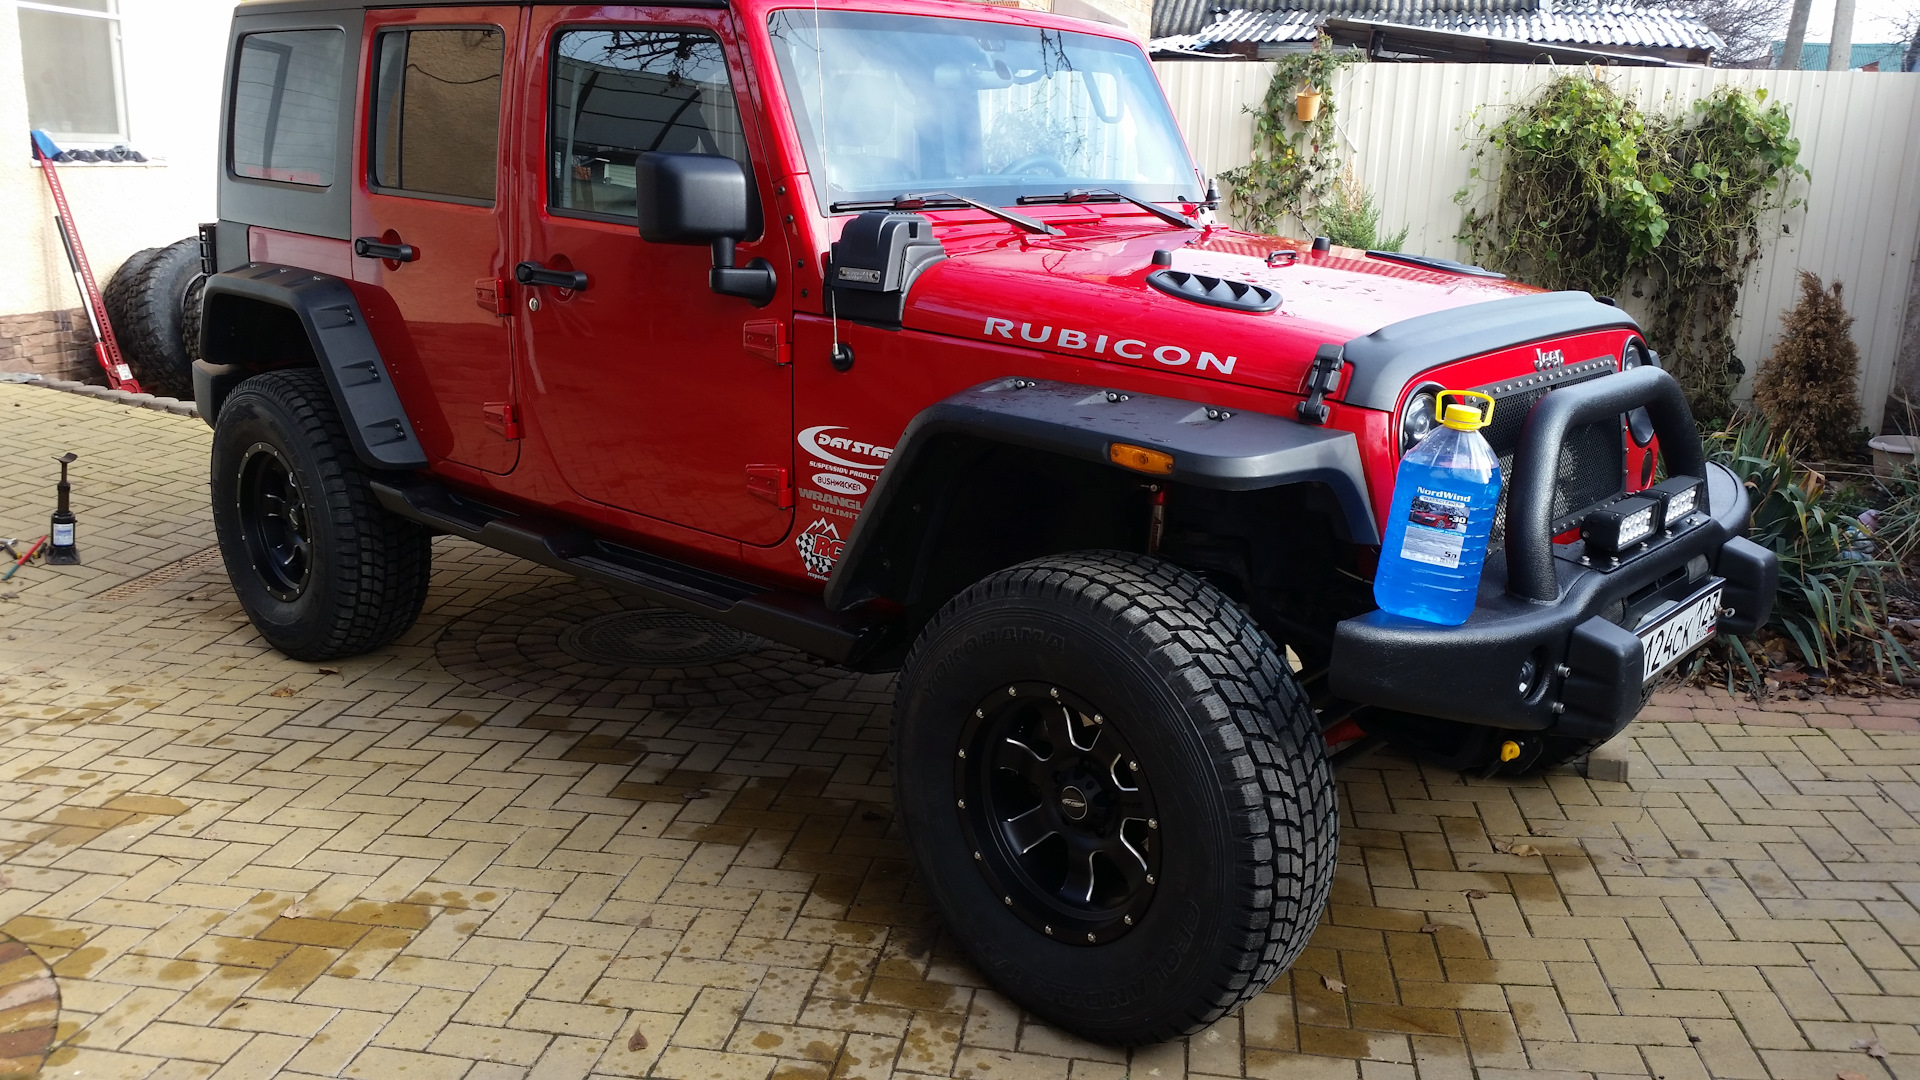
(70, 50)
(619, 93)
(895, 104)
(436, 112)
(286, 106)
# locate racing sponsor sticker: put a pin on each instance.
(821, 444)
(843, 485)
(1436, 528)
(820, 547)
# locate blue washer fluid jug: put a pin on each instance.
(1444, 499)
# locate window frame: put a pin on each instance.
(547, 131)
(116, 62)
(374, 186)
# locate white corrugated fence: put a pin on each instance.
(1410, 132)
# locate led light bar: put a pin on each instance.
(1613, 529)
(1679, 497)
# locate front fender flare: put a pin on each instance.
(1246, 451)
(376, 422)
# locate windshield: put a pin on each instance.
(892, 104)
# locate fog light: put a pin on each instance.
(1678, 496)
(1612, 529)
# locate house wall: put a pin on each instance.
(1411, 132)
(172, 53)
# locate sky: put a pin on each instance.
(1872, 19)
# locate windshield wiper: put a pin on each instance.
(1084, 195)
(945, 198)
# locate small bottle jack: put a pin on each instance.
(61, 550)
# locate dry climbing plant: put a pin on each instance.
(1293, 169)
(1588, 192)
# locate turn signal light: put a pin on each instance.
(1140, 458)
(1678, 496)
(1613, 529)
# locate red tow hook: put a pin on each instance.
(1343, 731)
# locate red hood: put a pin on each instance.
(1085, 294)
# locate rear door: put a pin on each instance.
(656, 395)
(430, 223)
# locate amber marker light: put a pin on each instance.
(1140, 459)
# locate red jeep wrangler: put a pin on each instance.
(891, 330)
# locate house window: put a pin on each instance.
(70, 50)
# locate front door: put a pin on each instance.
(430, 226)
(643, 381)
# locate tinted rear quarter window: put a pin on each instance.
(286, 106)
(436, 113)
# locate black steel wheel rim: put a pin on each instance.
(274, 522)
(1057, 809)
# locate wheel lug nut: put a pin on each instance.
(976, 856)
(1128, 919)
(1149, 879)
(1089, 939)
(1133, 766)
(1013, 691)
(1049, 931)
(1098, 719)
(963, 755)
(962, 802)
(1007, 900)
(980, 714)
(1153, 823)
(1054, 693)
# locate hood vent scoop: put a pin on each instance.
(1215, 292)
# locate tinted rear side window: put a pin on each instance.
(436, 114)
(286, 106)
(620, 93)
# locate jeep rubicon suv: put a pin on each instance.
(891, 330)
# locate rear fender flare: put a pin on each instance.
(1212, 448)
(343, 348)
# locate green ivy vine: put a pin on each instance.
(1294, 168)
(1591, 193)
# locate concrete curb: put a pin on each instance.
(106, 393)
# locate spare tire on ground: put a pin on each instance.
(119, 296)
(190, 319)
(150, 335)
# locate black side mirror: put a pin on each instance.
(703, 199)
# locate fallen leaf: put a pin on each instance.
(295, 910)
(1630, 859)
(638, 1042)
(1524, 849)
(696, 793)
(1789, 676)
(1430, 928)
(1848, 1076)
(329, 671)
(1333, 984)
(1476, 894)
(1871, 1046)
(284, 691)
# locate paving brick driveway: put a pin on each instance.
(241, 866)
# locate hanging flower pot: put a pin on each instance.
(1306, 105)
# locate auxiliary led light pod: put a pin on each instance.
(1614, 528)
(1678, 496)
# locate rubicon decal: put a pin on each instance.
(844, 485)
(826, 447)
(820, 546)
(1126, 348)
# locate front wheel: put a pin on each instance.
(1116, 793)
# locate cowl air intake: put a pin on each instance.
(1215, 292)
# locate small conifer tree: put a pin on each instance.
(1810, 386)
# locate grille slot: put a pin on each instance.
(1592, 466)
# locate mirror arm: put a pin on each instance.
(754, 282)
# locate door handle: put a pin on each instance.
(371, 247)
(532, 273)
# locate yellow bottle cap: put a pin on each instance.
(1461, 415)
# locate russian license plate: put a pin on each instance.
(1682, 630)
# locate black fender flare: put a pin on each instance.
(336, 329)
(1224, 449)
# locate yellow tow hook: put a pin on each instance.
(1509, 750)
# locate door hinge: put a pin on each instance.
(769, 482)
(502, 417)
(767, 339)
(491, 294)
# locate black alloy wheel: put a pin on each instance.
(1059, 811)
(273, 520)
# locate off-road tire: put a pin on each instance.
(1247, 826)
(157, 296)
(190, 320)
(119, 296)
(366, 571)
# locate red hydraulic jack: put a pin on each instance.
(105, 348)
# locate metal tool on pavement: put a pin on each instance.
(63, 552)
(22, 560)
(105, 348)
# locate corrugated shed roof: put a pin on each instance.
(1194, 24)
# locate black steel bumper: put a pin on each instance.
(1575, 623)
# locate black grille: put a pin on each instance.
(1592, 466)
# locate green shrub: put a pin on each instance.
(1349, 218)
(1811, 383)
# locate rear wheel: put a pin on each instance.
(321, 569)
(1116, 793)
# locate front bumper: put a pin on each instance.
(1586, 655)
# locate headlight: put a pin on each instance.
(1417, 420)
(1639, 424)
(1632, 356)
